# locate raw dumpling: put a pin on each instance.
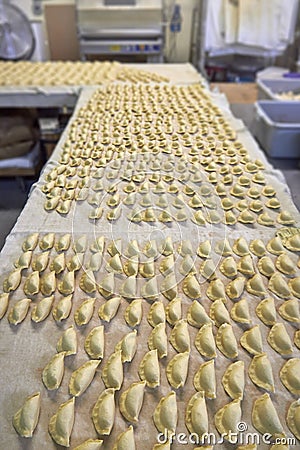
(158, 340)
(131, 401)
(80, 245)
(223, 248)
(3, 304)
(149, 370)
(114, 264)
(48, 283)
(131, 266)
(279, 339)
(166, 247)
(67, 343)
(115, 247)
(265, 418)
(177, 370)
(196, 315)
(174, 311)
(112, 372)
(53, 372)
(208, 269)
(47, 241)
(240, 247)
(235, 288)
(289, 375)
(32, 284)
(169, 287)
(58, 263)
(84, 313)
(147, 269)
(240, 312)
(90, 444)
(233, 380)
(61, 424)
(251, 340)
(40, 262)
(180, 338)
(125, 440)
(245, 265)
(76, 262)
(19, 311)
(63, 243)
(23, 262)
(62, 309)
(219, 313)
(67, 284)
(87, 282)
(98, 245)
(204, 249)
(260, 372)
(103, 414)
(150, 289)
(26, 418)
(294, 285)
(205, 379)
(134, 313)
(266, 267)
(127, 345)
(255, 286)
(42, 309)
(257, 247)
(205, 341)
(226, 341)
(216, 290)
(94, 343)
(30, 242)
(128, 288)
(293, 418)
(165, 415)
(196, 417)
(279, 286)
(290, 311)
(227, 418)
(156, 314)
(266, 311)
(82, 377)
(107, 286)
(185, 248)
(109, 309)
(228, 267)
(191, 287)
(285, 265)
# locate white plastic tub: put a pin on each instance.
(277, 128)
(269, 89)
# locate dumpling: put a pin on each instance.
(4, 298)
(226, 341)
(165, 415)
(48, 283)
(168, 287)
(24, 260)
(216, 290)
(58, 264)
(219, 313)
(260, 372)
(84, 313)
(179, 337)
(112, 372)
(53, 372)
(128, 346)
(30, 242)
(131, 266)
(185, 248)
(205, 341)
(94, 343)
(63, 308)
(134, 313)
(150, 289)
(32, 284)
(227, 418)
(87, 282)
(149, 370)
(251, 340)
(240, 312)
(167, 265)
(106, 287)
(196, 315)
(40, 262)
(294, 285)
(166, 248)
(114, 264)
(82, 377)
(61, 424)
(42, 309)
(131, 401)
(205, 379)
(233, 380)
(196, 417)
(289, 375)
(235, 288)
(90, 444)
(265, 418)
(293, 243)
(255, 286)
(147, 269)
(297, 338)
(19, 311)
(109, 309)
(67, 284)
(67, 343)
(156, 314)
(279, 339)
(98, 245)
(266, 311)
(285, 265)
(223, 248)
(75, 263)
(103, 413)
(204, 249)
(208, 269)
(228, 267)
(125, 440)
(95, 262)
(240, 247)
(26, 418)
(128, 287)
(257, 247)
(293, 418)
(80, 245)
(191, 287)
(187, 265)
(266, 267)
(290, 311)
(47, 241)
(177, 370)
(63, 243)
(12, 282)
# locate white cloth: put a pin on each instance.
(231, 14)
(215, 25)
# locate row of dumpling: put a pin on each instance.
(71, 73)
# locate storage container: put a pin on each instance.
(268, 89)
(277, 128)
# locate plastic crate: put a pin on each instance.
(277, 128)
(268, 89)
